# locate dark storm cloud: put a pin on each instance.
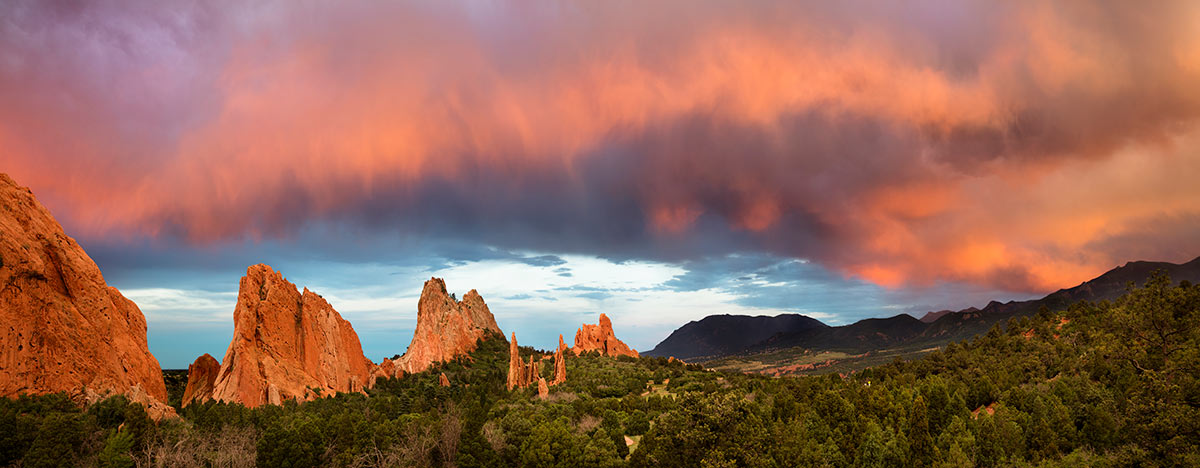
(915, 144)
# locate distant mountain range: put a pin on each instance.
(722, 336)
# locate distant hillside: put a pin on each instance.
(741, 342)
(721, 335)
(860, 336)
(931, 317)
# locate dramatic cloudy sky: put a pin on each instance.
(658, 161)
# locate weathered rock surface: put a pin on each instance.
(62, 328)
(532, 371)
(560, 363)
(446, 328)
(202, 375)
(443, 380)
(385, 369)
(516, 371)
(543, 390)
(601, 338)
(286, 344)
(523, 374)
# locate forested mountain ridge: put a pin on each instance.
(721, 335)
(859, 344)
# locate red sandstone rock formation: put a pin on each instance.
(600, 338)
(560, 363)
(61, 327)
(524, 374)
(516, 371)
(446, 328)
(202, 375)
(543, 390)
(385, 369)
(285, 343)
(443, 381)
(533, 371)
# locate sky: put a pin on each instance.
(655, 161)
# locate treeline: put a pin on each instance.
(1107, 384)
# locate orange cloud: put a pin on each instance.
(961, 141)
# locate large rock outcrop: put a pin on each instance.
(446, 328)
(62, 328)
(286, 343)
(202, 375)
(600, 338)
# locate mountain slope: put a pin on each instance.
(757, 346)
(720, 335)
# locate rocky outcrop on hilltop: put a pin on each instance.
(560, 363)
(287, 344)
(446, 328)
(600, 338)
(62, 327)
(202, 375)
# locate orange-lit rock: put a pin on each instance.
(516, 371)
(560, 363)
(532, 372)
(286, 342)
(543, 390)
(443, 381)
(600, 338)
(202, 374)
(446, 328)
(385, 369)
(62, 328)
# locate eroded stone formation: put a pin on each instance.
(287, 344)
(202, 375)
(446, 328)
(443, 380)
(516, 371)
(543, 390)
(533, 370)
(523, 374)
(600, 338)
(560, 363)
(63, 329)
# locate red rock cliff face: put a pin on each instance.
(600, 338)
(286, 342)
(202, 375)
(446, 328)
(62, 327)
